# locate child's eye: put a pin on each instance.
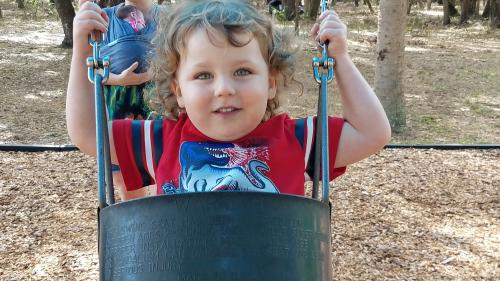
(242, 72)
(203, 76)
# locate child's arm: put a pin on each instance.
(128, 77)
(80, 115)
(366, 129)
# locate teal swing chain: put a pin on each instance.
(98, 73)
(323, 74)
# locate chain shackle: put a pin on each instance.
(327, 67)
(95, 62)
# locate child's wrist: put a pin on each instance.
(341, 57)
(81, 49)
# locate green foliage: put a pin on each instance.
(279, 15)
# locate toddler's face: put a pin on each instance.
(223, 88)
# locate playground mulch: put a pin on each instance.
(399, 215)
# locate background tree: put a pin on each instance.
(486, 9)
(367, 2)
(446, 13)
(20, 4)
(312, 8)
(289, 7)
(66, 13)
(390, 58)
(495, 13)
(465, 8)
(451, 8)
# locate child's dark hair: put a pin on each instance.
(226, 17)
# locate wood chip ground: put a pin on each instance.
(399, 215)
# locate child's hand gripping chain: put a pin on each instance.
(366, 129)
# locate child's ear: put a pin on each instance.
(273, 86)
(176, 90)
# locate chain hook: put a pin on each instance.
(95, 62)
(325, 62)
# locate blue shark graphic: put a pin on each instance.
(208, 166)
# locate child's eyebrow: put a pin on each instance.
(204, 64)
(244, 61)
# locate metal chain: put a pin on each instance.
(98, 73)
(321, 152)
(95, 62)
(325, 62)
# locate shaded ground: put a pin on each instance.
(400, 215)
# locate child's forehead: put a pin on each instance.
(201, 51)
(201, 38)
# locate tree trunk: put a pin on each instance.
(429, 4)
(446, 13)
(20, 4)
(486, 10)
(472, 7)
(66, 13)
(495, 13)
(390, 61)
(451, 8)
(312, 12)
(289, 7)
(367, 2)
(475, 7)
(464, 11)
(297, 17)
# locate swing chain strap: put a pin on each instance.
(95, 62)
(325, 62)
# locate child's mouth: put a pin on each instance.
(226, 110)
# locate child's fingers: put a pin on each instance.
(314, 30)
(329, 24)
(81, 2)
(93, 15)
(326, 14)
(93, 24)
(328, 19)
(90, 6)
(330, 34)
(131, 68)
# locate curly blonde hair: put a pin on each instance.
(226, 17)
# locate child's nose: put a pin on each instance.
(224, 87)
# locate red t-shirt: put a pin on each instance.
(178, 158)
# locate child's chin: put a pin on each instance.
(228, 136)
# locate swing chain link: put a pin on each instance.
(96, 62)
(325, 62)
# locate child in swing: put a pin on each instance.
(130, 27)
(219, 69)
